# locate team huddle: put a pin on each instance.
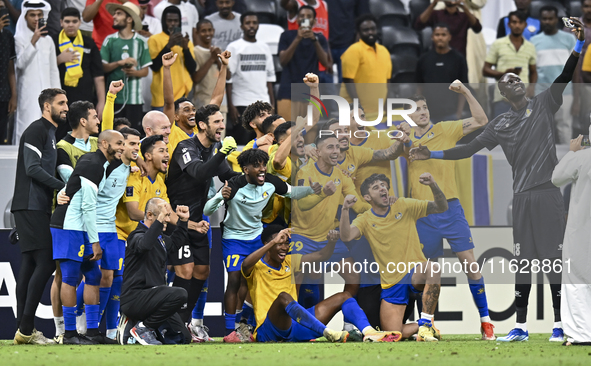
(131, 235)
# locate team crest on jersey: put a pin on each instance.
(398, 216)
(215, 151)
(431, 134)
(286, 268)
(129, 191)
(527, 113)
(265, 194)
(184, 150)
(158, 192)
(351, 167)
(337, 181)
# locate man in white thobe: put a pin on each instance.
(36, 64)
(575, 168)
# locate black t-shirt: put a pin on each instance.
(7, 53)
(527, 139)
(341, 21)
(92, 67)
(440, 70)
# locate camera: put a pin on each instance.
(41, 23)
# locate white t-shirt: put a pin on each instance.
(80, 5)
(189, 15)
(226, 31)
(252, 68)
(154, 25)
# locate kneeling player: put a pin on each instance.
(379, 225)
(270, 273)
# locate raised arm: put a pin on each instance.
(168, 60)
(456, 153)
(479, 117)
(109, 110)
(439, 204)
(324, 253)
(218, 91)
(145, 242)
(348, 231)
(252, 259)
(90, 11)
(571, 64)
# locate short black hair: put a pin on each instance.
(248, 14)
(326, 125)
(320, 139)
(549, 8)
(253, 111)
(282, 129)
(309, 8)
(269, 232)
(177, 103)
(442, 25)
(48, 95)
(522, 16)
(415, 98)
(204, 112)
(364, 189)
(363, 18)
(149, 142)
(121, 121)
(77, 111)
(352, 106)
(126, 131)
(268, 122)
(203, 21)
(252, 157)
(70, 12)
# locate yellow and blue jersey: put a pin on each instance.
(177, 135)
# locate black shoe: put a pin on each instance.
(80, 340)
(101, 339)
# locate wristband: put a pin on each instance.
(579, 46)
(436, 154)
(408, 144)
(255, 146)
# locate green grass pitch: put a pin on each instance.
(456, 350)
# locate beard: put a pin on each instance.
(210, 134)
(118, 26)
(56, 117)
(111, 152)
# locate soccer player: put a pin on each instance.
(451, 224)
(270, 273)
(245, 197)
(412, 273)
(31, 206)
(194, 163)
(145, 297)
(526, 134)
(75, 237)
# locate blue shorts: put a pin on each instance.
(121, 244)
(400, 292)
(112, 255)
(302, 245)
(451, 225)
(234, 251)
(70, 244)
(267, 332)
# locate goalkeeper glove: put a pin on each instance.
(228, 145)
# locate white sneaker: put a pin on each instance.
(199, 333)
(81, 324)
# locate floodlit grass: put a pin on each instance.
(453, 350)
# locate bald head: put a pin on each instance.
(153, 206)
(110, 142)
(156, 123)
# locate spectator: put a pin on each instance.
(458, 22)
(189, 15)
(439, 67)
(226, 24)
(553, 48)
(341, 17)
(183, 69)
(150, 26)
(252, 76)
(210, 6)
(121, 122)
(14, 12)
(80, 66)
(366, 62)
(85, 27)
(321, 26)
(7, 79)
(96, 11)
(36, 66)
(31, 205)
(299, 53)
(511, 54)
(54, 18)
(533, 25)
(204, 79)
(126, 57)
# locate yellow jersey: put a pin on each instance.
(233, 157)
(441, 136)
(265, 283)
(316, 222)
(177, 135)
(393, 238)
(375, 142)
(139, 189)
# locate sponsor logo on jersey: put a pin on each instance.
(129, 191)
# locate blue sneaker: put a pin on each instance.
(557, 335)
(515, 335)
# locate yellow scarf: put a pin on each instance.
(73, 69)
